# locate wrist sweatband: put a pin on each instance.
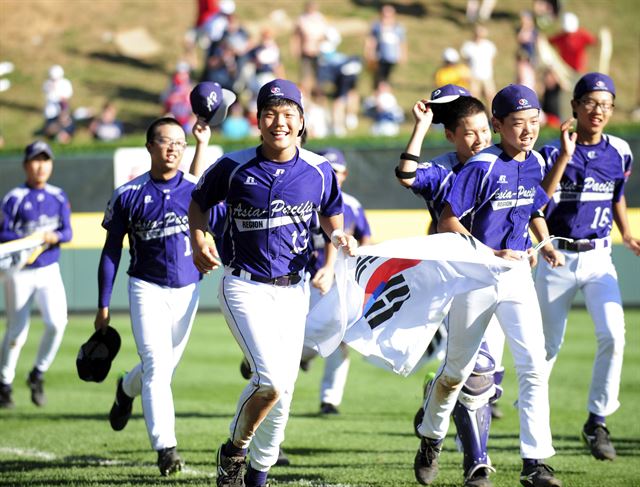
(405, 175)
(537, 214)
(409, 157)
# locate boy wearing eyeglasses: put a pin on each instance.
(589, 198)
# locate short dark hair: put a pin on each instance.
(279, 102)
(450, 114)
(151, 131)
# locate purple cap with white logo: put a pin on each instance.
(279, 88)
(210, 102)
(593, 82)
(447, 93)
(514, 98)
(35, 149)
(335, 158)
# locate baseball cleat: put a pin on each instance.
(479, 478)
(597, 439)
(121, 409)
(245, 369)
(6, 401)
(36, 385)
(283, 459)
(539, 475)
(425, 465)
(169, 462)
(230, 470)
(328, 408)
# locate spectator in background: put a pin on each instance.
(237, 41)
(317, 119)
(545, 12)
(175, 99)
(551, 98)
(527, 35)
(58, 90)
(236, 125)
(310, 31)
(106, 127)
(479, 10)
(265, 58)
(525, 74)
(480, 53)
(221, 66)
(452, 71)
(386, 45)
(213, 30)
(383, 107)
(572, 42)
(61, 128)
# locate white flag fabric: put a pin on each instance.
(15, 254)
(389, 301)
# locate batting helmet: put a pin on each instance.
(95, 356)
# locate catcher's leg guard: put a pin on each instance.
(472, 414)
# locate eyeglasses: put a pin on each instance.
(165, 142)
(591, 105)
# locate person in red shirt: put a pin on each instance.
(572, 42)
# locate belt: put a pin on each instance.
(281, 281)
(584, 245)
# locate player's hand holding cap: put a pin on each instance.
(210, 102)
(95, 356)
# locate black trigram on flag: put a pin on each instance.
(389, 300)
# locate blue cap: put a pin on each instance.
(335, 158)
(514, 98)
(279, 88)
(448, 93)
(35, 149)
(593, 82)
(210, 101)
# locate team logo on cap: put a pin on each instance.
(212, 100)
(523, 102)
(436, 93)
(275, 90)
(600, 84)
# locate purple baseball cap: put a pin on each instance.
(335, 158)
(448, 93)
(593, 82)
(211, 102)
(514, 98)
(279, 88)
(36, 148)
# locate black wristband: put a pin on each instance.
(537, 214)
(409, 157)
(405, 175)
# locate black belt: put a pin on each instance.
(577, 245)
(281, 281)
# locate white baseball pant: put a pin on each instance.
(513, 301)
(161, 319)
(594, 274)
(45, 284)
(268, 324)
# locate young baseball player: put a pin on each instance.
(467, 127)
(36, 206)
(271, 192)
(498, 190)
(588, 200)
(336, 365)
(151, 211)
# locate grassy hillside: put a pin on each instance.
(34, 34)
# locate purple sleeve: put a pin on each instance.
(109, 261)
(64, 232)
(332, 197)
(213, 185)
(467, 190)
(6, 234)
(428, 179)
(550, 154)
(540, 199)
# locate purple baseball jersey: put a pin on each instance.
(269, 207)
(154, 215)
(499, 195)
(355, 223)
(581, 207)
(26, 210)
(434, 180)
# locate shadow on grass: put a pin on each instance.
(24, 107)
(412, 9)
(125, 61)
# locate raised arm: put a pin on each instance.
(202, 133)
(568, 147)
(406, 171)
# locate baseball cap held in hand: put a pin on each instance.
(514, 98)
(448, 93)
(96, 354)
(211, 102)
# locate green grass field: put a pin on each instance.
(69, 441)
